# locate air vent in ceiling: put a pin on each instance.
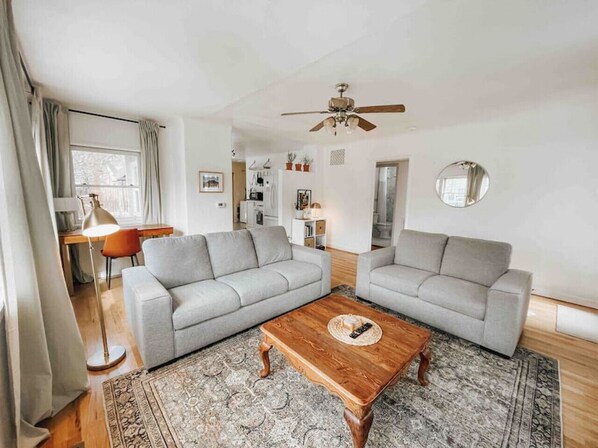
(337, 157)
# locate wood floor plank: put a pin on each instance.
(84, 421)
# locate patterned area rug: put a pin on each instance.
(215, 398)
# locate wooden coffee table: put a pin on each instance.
(357, 375)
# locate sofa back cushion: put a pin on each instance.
(420, 250)
(178, 261)
(231, 252)
(271, 244)
(478, 261)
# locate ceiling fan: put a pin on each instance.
(344, 112)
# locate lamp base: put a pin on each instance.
(98, 361)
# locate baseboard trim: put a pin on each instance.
(588, 303)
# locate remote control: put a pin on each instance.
(365, 327)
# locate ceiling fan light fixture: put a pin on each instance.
(330, 125)
(351, 124)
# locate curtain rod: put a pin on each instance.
(107, 116)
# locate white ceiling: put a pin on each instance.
(161, 58)
(448, 62)
(246, 62)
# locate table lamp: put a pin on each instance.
(97, 223)
(315, 210)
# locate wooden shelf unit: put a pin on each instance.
(309, 232)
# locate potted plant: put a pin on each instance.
(306, 163)
(291, 156)
(298, 165)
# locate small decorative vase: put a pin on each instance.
(299, 214)
(290, 166)
(297, 167)
(306, 168)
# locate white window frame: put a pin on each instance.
(128, 152)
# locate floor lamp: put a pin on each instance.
(97, 223)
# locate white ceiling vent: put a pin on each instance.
(337, 157)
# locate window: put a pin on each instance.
(453, 190)
(114, 176)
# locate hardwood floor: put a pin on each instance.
(84, 421)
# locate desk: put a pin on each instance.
(65, 239)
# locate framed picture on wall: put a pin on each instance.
(303, 199)
(211, 182)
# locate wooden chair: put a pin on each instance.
(124, 243)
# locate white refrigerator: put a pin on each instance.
(271, 199)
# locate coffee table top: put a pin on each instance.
(356, 373)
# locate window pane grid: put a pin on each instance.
(114, 176)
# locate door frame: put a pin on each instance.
(373, 166)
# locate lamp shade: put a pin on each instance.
(316, 205)
(98, 222)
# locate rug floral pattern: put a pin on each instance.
(215, 398)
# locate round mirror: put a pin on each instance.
(462, 184)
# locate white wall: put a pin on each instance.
(207, 147)
(172, 179)
(543, 196)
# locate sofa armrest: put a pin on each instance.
(149, 312)
(318, 257)
(366, 263)
(506, 311)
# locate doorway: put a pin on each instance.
(389, 205)
(239, 193)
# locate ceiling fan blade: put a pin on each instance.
(317, 127)
(365, 125)
(380, 109)
(305, 113)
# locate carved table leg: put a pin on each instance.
(360, 427)
(424, 361)
(264, 349)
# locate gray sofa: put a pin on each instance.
(196, 290)
(460, 285)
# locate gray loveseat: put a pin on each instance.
(195, 290)
(460, 285)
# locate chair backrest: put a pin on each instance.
(124, 243)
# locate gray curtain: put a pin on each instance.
(58, 148)
(44, 353)
(475, 177)
(150, 172)
(39, 138)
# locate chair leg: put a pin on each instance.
(132, 261)
(109, 271)
(136, 259)
(106, 268)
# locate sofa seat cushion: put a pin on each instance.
(197, 302)
(255, 285)
(297, 273)
(399, 278)
(455, 294)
